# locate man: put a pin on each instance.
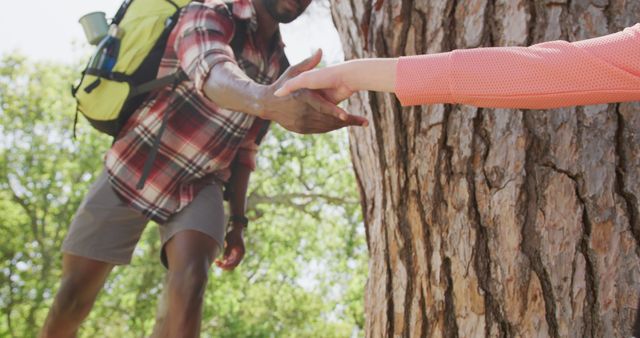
(214, 123)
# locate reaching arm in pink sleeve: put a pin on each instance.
(547, 75)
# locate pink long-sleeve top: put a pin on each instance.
(546, 75)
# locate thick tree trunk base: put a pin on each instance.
(500, 222)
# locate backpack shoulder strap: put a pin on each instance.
(284, 63)
(239, 37)
(120, 13)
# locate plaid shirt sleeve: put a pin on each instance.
(203, 36)
(246, 156)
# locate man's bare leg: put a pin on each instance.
(82, 279)
(190, 254)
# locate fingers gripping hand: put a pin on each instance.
(312, 79)
(331, 117)
(305, 111)
(329, 79)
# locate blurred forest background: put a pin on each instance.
(305, 268)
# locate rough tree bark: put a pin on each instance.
(486, 222)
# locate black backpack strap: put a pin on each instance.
(239, 37)
(154, 84)
(146, 170)
(125, 5)
(239, 34)
(284, 64)
(120, 13)
(175, 78)
(75, 120)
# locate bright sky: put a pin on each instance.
(49, 30)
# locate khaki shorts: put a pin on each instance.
(106, 229)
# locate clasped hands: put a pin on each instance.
(291, 104)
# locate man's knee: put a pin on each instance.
(73, 299)
(82, 279)
(189, 282)
(190, 254)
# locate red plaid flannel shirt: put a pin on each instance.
(201, 140)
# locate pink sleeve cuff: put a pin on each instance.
(427, 84)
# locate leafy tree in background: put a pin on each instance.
(43, 176)
(304, 271)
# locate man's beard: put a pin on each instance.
(285, 17)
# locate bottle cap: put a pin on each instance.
(115, 31)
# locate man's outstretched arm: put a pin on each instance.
(202, 47)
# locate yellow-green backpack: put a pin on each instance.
(107, 99)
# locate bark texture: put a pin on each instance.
(499, 223)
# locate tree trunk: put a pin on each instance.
(484, 222)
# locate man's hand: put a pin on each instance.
(233, 249)
(306, 111)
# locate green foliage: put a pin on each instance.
(43, 176)
(304, 272)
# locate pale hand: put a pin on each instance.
(330, 80)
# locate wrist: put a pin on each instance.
(350, 74)
(236, 229)
(238, 222)
(378, 74)
(257, 102)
